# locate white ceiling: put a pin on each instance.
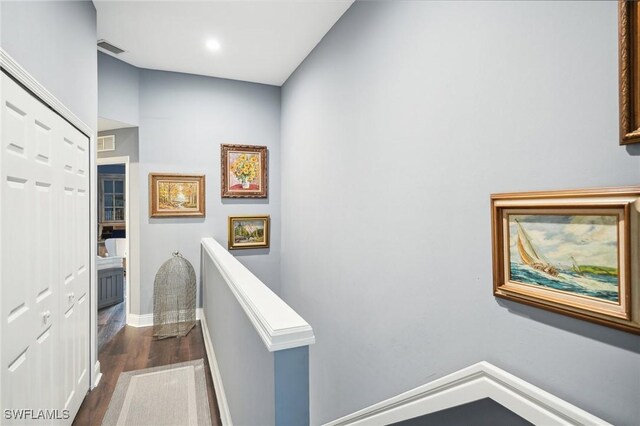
(262, 41)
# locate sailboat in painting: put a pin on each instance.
(575, 267)
(531, 256)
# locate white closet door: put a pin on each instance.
(74, 260)
(45, 246)
(19, 315)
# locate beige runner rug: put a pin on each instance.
(174, 394)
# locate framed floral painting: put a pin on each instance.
(244, 171)
(176, 195)
(246, 232)
(572, 252)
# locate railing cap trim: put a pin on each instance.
(279, 326)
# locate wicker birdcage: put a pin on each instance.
(174, 298)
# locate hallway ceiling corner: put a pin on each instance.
(259, 41)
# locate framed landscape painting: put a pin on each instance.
(573, 252)
(244, 171)
(176, 195)
(247, 232)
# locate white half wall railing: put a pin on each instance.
(257, 345)
(479, 381)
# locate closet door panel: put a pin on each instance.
(82, 349)
(45, 370)
(46, 283)
(68, 355)
(17, 180)
(67, 218)
(44, 261)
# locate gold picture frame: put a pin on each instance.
(573, 252)
(176, 195)
(243, 171)
(249, 232)
(629, 69)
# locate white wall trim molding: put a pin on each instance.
(221, 396)
(27, 80)
(479, 381)
(97, 374)
(135, 320)
(146, 320)
(13, 68)
(277, 324)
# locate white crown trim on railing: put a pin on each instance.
(479, 381)
(279, 326)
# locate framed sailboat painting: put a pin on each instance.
(573, 252)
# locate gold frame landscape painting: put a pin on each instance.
(176, 195)
(248, 232)
(573, 252)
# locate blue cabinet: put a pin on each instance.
(110, 287)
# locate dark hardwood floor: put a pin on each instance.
(133, 349)
(110, 321)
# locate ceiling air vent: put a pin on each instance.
(110, 47)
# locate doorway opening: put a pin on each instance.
(113, 288)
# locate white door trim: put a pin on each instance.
(22, 76)
(127, 191)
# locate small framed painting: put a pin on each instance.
(244, 171)
(247, 232)
(176, 195)
(573, 252)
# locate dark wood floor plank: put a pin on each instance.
(110, 322)
(134, 348)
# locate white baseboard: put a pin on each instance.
(146, 320)
(97, 374)
(479, 381)
(223, 405)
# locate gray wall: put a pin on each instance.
(261, 387)
(127, 145)
(395, 130)
(246, 366)
(56, 43)
(118, 84)
(291, 383)
(183, 120)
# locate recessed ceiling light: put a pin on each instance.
(213, 44)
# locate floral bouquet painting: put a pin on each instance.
(244, 171)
